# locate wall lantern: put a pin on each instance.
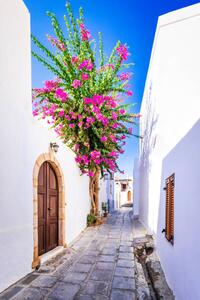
(54, 147)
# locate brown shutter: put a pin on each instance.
(169, 225)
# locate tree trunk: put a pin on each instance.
(94, 192)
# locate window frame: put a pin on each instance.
(169, 208)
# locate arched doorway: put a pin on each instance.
(55, 200)
(129, 196)
(47, 208)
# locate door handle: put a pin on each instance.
(49, 208)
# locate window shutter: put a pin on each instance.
(169, 225)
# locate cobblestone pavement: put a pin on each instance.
(98, 266)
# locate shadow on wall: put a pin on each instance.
(147, 145)
(180, 260)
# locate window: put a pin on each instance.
(169, 217)
(123, 187)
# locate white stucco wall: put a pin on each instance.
(136, 188)
(103, 193)
(117, 189)
(106, 193)
(181, 261)
(170, 108)
(76, 186)
(23, 139)
(121, 197)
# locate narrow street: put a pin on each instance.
(99, 265)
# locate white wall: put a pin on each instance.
(22, 141)
(103, 194)
(106, 193)
(76, 186)
(136, 188)
(121, 197)
(181, 261)
(16, 217)
(170, 108)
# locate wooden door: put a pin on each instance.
(129, 196)
(47, 209)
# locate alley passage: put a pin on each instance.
(99, 265)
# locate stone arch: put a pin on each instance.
(61, 212)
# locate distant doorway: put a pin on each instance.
(47, 209)
(129, 196)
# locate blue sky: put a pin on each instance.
(130, 21)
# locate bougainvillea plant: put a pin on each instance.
(84, 102)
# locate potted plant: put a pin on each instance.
(105, 209)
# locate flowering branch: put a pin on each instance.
(83, 104)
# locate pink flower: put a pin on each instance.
(84, 76)
(80, 124)
(82, 26)
(114, 115)
(76, 147)
(68, 118)
(35, 112)
(95, 154)
(59, 93)
(129, 93)
(122, 52)
(83, 64)
(89, 66)
(124, 76)
(121, 151)
(87, 100)
(103, 138)
(97, 161)
(90, 174)
(123, 137)
(61, 113)
(73, 115)
(96, 110)
(110, 66)
(76, 84)
(57, 43)
(90, 120)
(113, 138)
(113, 154)
(85, 159)
(130, 130)
(50, 85)
(74, 60)
(102, 119)
(71, 125)
(122, 111)
(78, 159)
(85, 34)
(115, 125)
(106, 67)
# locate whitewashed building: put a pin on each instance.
(44, 201)
(167, 174)
(123, 191)
(107, 184)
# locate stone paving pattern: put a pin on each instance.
(99, 266)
